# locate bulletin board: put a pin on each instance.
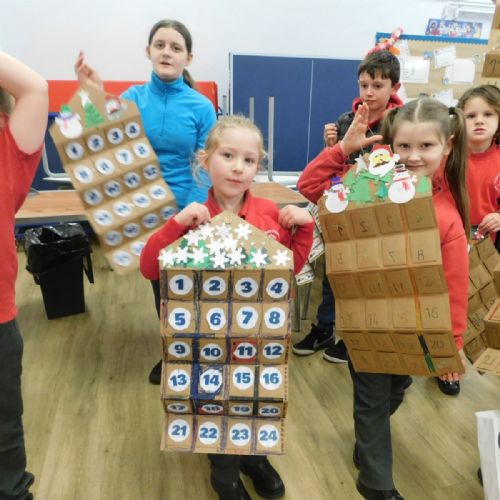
(422, 46)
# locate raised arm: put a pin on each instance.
(28, 119)
(86, 75)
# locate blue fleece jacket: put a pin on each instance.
(176, 120)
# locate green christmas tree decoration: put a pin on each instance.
(382, 191)
(349, 179)
(361, 192)
(424, 185)
(92, 116)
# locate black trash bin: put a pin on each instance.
(55, 257)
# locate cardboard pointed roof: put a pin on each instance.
(226, 242)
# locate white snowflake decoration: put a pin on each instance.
(219, 260)
(281, 257)
(215, 246)
(192, 238)
(166, 258)
(236, 256)
(259, 258)
(230, 244)
(243, 231)
(199, 255)
(224, 230)
(206, 231)
(182, 255)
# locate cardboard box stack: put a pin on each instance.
(100, 140)
(225, 327)
(491, 66)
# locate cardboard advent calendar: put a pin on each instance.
(383, 261)
(225, 328)
(102, 146)
(482, 338)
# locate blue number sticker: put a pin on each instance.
(179, 349)
(179, 430)
(150, 172)
(211, 380)
(241, 409)
(277, 288)
(178, 380)
(133, 130)
(211, 352)
(115, 135)
(214, 286)
(211, 408)
(113, 188)
(124, 157)
(74, 150)
(244, 351)
(269, 411)
(246, 287)
(177, 408)
(268, 436)
(95, 143)
(180, 284)
(83, 174)
(92, 197)
(240, 434)
(274, 318)
(113, 238)
(243, 378)
(208, 433)
(141, 150)
(273, 350)
(270, 378)
(132, 180)
(216, 318)
(131, 230)
(179, 318)
(247, 317)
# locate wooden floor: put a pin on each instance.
(93, 422)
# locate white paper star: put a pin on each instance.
(166, 258)
(259, 258)
(281, 257)
(224, 230)
(360, 164)
(192, 238)
(215, 246)
(182, 255)
(206, 231)
(236, 256)
(84, 97)
(243, 231)
(198, 255)
(219, 260)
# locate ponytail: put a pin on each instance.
(189, 79)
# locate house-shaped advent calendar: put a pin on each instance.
(225, 328)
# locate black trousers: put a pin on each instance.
(14, 479)
(226, 468)
(376, 397)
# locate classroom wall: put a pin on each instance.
(48, 35)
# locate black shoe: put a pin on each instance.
(336, 353)
(231, 491)
(480, 475)
(355, 456)
(155, 375)
(448, 388)
(407, 384)
(371, 494)
(315, 340)
(266, 480)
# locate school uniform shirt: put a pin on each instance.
(17, 170)
(316, 179)
(259, 212)
(483, 183)
(177, 120)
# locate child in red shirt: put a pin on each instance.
(232, 156)
(481, 106)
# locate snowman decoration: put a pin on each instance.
(114, 106)
(336, 196)
(69, 123)
(381, 160)
(402, 188)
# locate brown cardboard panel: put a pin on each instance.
(179, 407)
(350, 315)
(214, 285)
(270, 436)
(276, 285)
(246, 318)
(240, 435)
(273, 351)
(240, 408)
(425, 247)
(271, 409)
(496, 278)
(492, 261)
(440, 344)
(273, 382)
(180, 318)
(378, 315)
(488, 294)
(472, 289)
(176, 382)
(470, 332)
(337, 226)
(420, 213)
(83, 174)
(399, 282)
(369, 254)
(373, 285)
(474, 258)
(213, 350)
(244, 351)
(181, 284)
(407, 343)
(495, 24)
(346, 286)
(208, 434)
(381, 342)
(492, 326)
(430, 280)
(491, 66)
(488, 361)
(486, 248)
(242, 382)
(214, 318)
(340, 257)
(394, 250)
(476, 318)
(364, 361)
(389, 218)
(73, 151)
(474, 348)
(178, 433)
(246, 284)
(390, 362)
(480, 276)
(435, 312)
(356, 341)
(416, 365)
(275, 319)
(448, 364)
(212, 382)
(404, 316)
(364, 223)
(474, 303)
(178, 349)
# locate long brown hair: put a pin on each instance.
(451, 123)
(184, 32)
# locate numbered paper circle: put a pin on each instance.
(113, 238)
(141, 200)
(131, 230)
(214, 286)
(103, 217)
(274, 318)
(104, 166)
(92, 196)
(216, 318)
(180, 284)
(133, 130)
(240, 434)
(83, 174)
(211, 408)
(247, 317)
(246, 287)
(245, 350)
(211, 380)
(157, 192)
(167, 212)
(141, 150)
(150, 172)
(178, 380)
(137, 247)
(115, 135)
(243, 378)
(132, 180)
(241, 410)
(270, 378)
(179, 349)
(95, 142)
(150, 220)
(122, 258)
(113, 189)
(178, 408)
(179, 318)
(273, 350)
(124, 157)
(74, 150)
(178, 430)
(122, 209)
(269, 436)
(211, 352)
(208, 433)
(277, 288)
(269, 411)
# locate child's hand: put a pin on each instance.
(193, 215)
(355, 138)
(86, 75)
(330, 135)
(490, 223)
(293, 216)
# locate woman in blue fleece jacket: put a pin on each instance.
(176, 117)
